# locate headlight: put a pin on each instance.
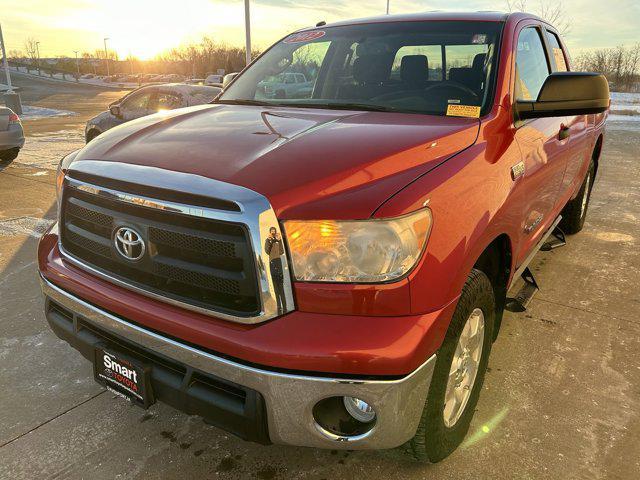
(363, 251)
(62, 171)
(59, 181)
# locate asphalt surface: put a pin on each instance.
(561, 399)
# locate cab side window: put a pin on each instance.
(532, 67)
(168, 101)
(559, 58)
(139, 102)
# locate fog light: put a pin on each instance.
(359, 409)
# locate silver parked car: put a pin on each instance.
(11, 134)
(147, 100)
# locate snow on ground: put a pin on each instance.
(625, 111)
(44, 150)
(31, 226)
(86, 81)
(625, 104)
(35, 113)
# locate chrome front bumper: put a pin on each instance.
(289, 398)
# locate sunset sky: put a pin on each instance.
(145, 28)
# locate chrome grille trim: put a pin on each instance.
(255, 213)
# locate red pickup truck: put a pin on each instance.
(328, 267)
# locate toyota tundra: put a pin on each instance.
(329, 267)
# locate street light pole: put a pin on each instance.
(38, 55)
(388, 6)
(5, 63)
(106, 54)
(11, 98)
(77, 65)
(247, 27)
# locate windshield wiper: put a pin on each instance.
(345, 106)
(330, 106)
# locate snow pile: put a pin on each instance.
(35, 113)
(625, 106)
(44, 150)
(31, 226)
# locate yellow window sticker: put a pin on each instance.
(561, 65)
(470, 111)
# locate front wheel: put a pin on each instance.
(457, 380)
(91, 135)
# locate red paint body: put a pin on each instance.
(323, 164)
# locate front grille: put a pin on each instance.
(201, 262)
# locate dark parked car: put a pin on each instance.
(147, 100)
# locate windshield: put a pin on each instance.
(433, 67)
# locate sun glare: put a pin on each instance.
(146, 28)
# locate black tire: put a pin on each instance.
(434, 441)
(91, 135)
(9, 155)
(573, 215)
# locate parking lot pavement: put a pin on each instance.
(561, 399)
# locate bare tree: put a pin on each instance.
(199, 59)
(31, 49)
(551, 11)
(621, 65)
(15, 54)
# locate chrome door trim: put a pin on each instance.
(255, 213)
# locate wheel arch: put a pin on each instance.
(496, 261)
(597, 150)
(92, 133)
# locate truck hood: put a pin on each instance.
(309, 163)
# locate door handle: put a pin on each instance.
(565, 132)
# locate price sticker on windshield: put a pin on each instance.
(305, 36)
(470, 111)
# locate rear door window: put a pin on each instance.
(558, 54)
(532, 66)
(465, 56)
(432, 55)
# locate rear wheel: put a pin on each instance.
(9, 155)
(575, 211)
(461, 364)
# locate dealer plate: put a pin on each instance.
(123, 376)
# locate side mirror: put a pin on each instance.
(115, 111)
(567, 93)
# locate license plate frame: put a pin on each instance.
(123, 375)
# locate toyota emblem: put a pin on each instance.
(129, 243)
